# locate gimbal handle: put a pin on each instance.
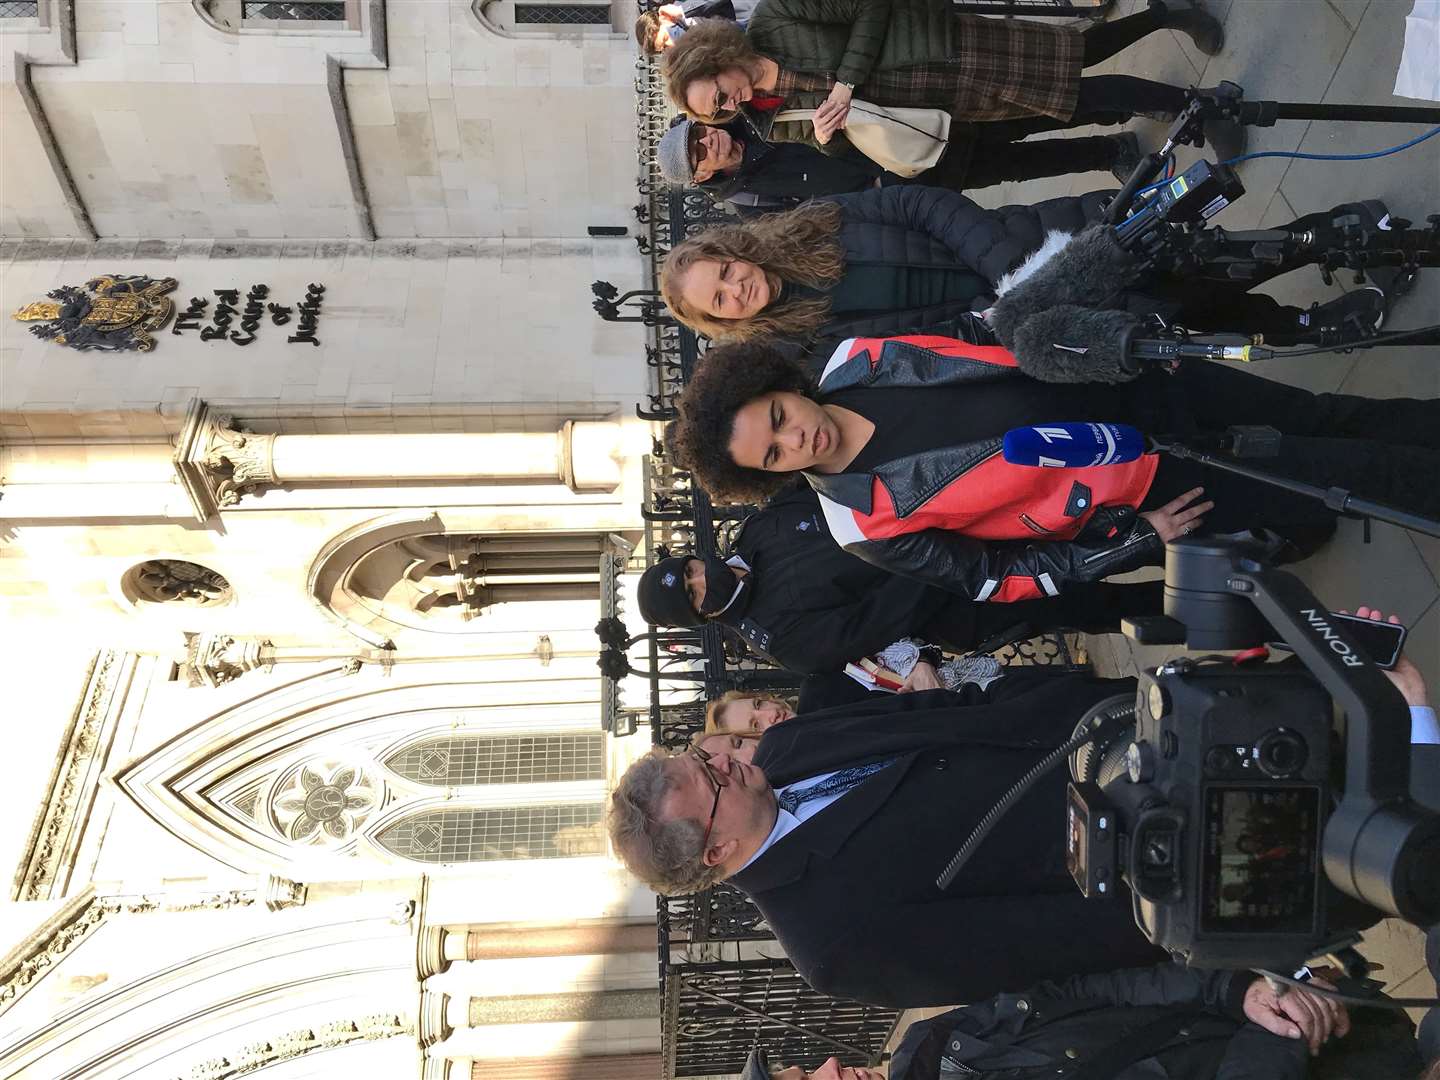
(1379, 845)
(1377, 841)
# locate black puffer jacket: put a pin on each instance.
(851, 38)
(782, 174)
(1057, 1029)
(925, 226)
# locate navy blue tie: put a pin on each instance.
(837, 783)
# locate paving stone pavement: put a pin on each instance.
(1334, 51)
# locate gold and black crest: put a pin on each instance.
(118, 313)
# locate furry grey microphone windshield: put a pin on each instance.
(1065, 296)
(1070, 344)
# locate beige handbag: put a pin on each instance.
(902, 140)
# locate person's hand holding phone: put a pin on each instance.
(1397, 666)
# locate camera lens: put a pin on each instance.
(1281, 753)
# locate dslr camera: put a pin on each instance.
(1244, 791)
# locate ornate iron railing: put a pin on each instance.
(713, 1013)
(717, 914)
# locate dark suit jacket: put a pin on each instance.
(851, 893)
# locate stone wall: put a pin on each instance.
(502, 326)
(172, 123)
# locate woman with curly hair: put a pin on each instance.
(901, 439)
(888, 261)
(1010, 77)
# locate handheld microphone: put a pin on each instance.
(1073, 445)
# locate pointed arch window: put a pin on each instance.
(466, 835)
(472, 760)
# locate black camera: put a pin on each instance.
(1226, 809)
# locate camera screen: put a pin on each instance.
(1077, 840)
(1260, 859)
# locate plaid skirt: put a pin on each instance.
(1001, 69)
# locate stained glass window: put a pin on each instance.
(460, 760)
(562, 14)
(293, 10)
(487, 835)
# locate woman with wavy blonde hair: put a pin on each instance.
(799, 247)
(875, 263)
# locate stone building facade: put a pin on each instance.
(306, 768)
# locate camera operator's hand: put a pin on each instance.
(922, 676)
(1178, 517)
(1297, 1013)
(1405, 675)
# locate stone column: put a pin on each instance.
(594, 1023)
(440, 946)
(221, 463)
(78, 480)
(574, 1007)
(587, 1067)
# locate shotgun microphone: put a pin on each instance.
(1073, 445)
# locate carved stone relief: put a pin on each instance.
(308, 806)
(238, 461)
(218, 462)
(176, 581)
(259, 1055)
(216, 659)
(45, 868)
(47, 950)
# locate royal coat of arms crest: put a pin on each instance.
(117, 314)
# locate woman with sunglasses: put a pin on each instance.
(1010, 77)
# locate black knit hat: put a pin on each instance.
(663, 600)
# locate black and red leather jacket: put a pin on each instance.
(961, 517)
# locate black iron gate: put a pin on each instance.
(713, 1013)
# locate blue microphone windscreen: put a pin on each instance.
(1075, 445)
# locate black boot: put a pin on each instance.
(1127, 154)
(1356, 316)
(1189, 17)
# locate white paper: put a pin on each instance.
(1419, 72)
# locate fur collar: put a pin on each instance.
(1054, 241)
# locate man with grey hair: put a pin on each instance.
(840, 825)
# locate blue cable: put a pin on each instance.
(1309, 157)
(1335, 157)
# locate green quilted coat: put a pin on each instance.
(852, 38)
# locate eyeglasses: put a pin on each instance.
(725, 101)
(719, 784)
